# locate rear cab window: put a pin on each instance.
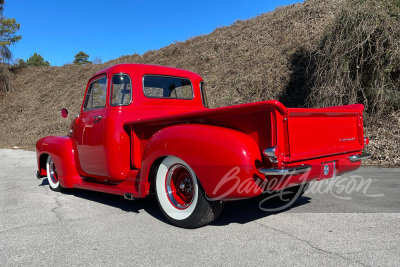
(96, 94)
(156, 86)
(203, 94)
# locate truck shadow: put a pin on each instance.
(240, 211)
(149, 204)
(248, 210)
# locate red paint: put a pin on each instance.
(114, 149)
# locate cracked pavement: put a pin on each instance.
(39, 227)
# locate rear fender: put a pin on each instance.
(224, 160)
(61, 149)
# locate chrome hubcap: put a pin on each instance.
(179, 186)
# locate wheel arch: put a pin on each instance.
(42, 164)
(61, 149)
(151, 177)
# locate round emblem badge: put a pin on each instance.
(326, 169)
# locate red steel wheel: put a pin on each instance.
(181, 197)
(180, 186)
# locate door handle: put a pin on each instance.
(97, 118)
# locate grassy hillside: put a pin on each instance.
(277, 55)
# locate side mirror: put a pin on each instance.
(64, 113)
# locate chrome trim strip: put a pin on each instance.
(286, 171)
(363, 156)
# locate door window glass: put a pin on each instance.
(121, 90)
(96, 94)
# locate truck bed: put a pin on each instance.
(302, 133)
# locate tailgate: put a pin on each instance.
(314, 133)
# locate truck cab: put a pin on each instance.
(121, 93)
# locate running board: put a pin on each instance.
(125, 188)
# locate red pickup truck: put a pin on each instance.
(146, 129)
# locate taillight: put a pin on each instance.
(366, 141)
(272, 153)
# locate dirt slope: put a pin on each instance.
(248, 61)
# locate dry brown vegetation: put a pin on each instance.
(358, 58)
(5, 81)
(318, 53)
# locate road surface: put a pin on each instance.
(352, 220)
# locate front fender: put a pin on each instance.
(224, 160)
(61, 149)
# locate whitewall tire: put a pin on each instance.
(52, 175)
(181, 197)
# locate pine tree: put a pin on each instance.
(82, 59)
(21, 63)
(8, 28)
(37, 60)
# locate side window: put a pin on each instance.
(96, 94)
(121, 90)
(203, 94)
(167, 87)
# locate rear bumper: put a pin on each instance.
(306, 171)
(359, 157)
(294, 170)
(301, 169)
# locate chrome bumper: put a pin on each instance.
(288, 171)
(356, 158)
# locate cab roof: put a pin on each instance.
(148, 69)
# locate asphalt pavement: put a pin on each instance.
(352, 220)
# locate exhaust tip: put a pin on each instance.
(128, 196)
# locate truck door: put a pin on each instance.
(89, 131)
